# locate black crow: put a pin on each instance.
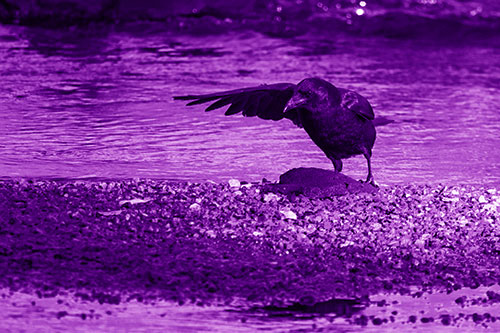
(339, 121)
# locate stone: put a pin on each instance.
(318, 183)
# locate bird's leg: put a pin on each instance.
(369, 178)
(337, 164)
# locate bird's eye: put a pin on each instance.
(305, 93)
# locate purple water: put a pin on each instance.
(39, 315)
(98, 103)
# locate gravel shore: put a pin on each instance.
(114, 241)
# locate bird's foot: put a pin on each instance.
(370, 181)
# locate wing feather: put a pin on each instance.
(265, 101)
(237, 105)
(202, 100)
(356, 103)
(251, 107)
(220, 103)
(275, 108)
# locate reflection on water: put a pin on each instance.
(99, 104)
(467, 310)
(24, 312)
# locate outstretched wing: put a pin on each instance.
(356, 103)
(265, 101)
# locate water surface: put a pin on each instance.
(98, 103)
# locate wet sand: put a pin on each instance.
(367, 260)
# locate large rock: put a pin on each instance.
(318, 183)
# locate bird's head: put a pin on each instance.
(313, 94)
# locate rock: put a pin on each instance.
(195, 206)
(134, 201)
(269, 197)
(318, 183)
(287, 213)
(110, 213)
(234, 183)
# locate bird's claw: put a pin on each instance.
(370, 181)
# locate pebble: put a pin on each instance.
(270, 196)
(134, 201)
(234, 183)
(210, 233)
(111, 212)
(289, 214)
(347, 243)
(195, 206)
(420, 242)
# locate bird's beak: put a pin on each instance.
(295, 102)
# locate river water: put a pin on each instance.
(98, 103)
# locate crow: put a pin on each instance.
(339, 121)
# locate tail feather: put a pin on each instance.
(381, 121)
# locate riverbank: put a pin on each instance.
(446, 20)
(119, 241)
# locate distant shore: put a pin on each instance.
(113, 241)
(283, 19)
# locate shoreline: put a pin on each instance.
(207, 243)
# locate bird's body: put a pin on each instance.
(339, 121)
